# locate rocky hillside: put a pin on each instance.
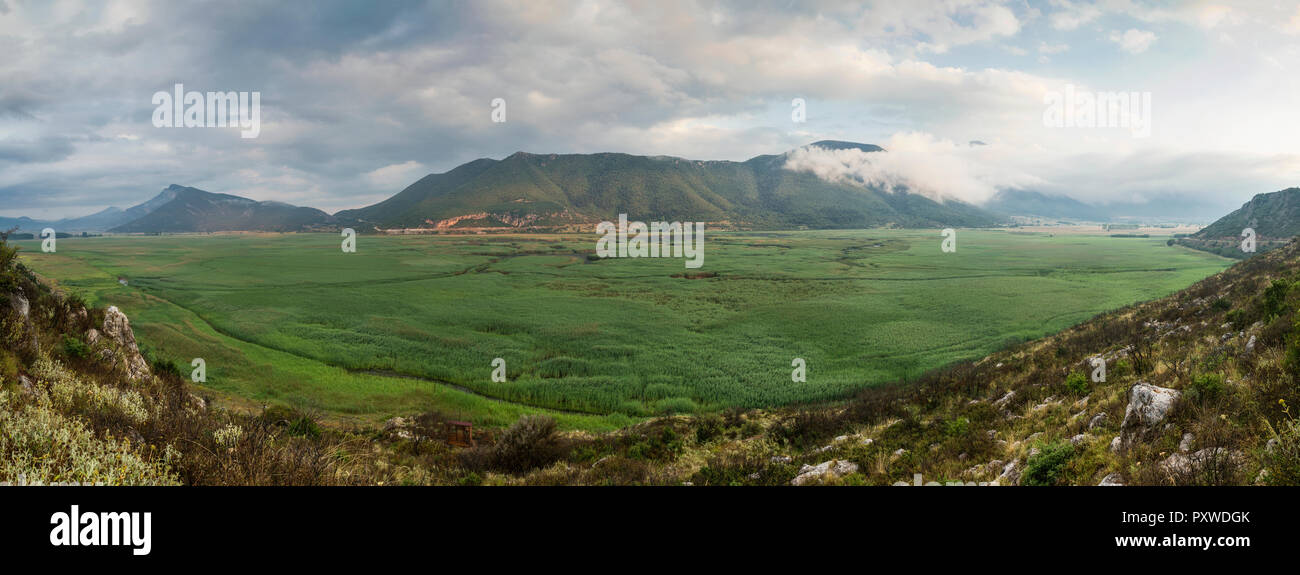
(1274, 216)
(1198, 389)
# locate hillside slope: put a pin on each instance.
(554, 190)
(1274, 216)
(184, 209)
(1198, 389)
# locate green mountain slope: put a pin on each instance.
(1274, 216)
(193, 210)
(535, 190)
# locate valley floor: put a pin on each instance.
(410, 324)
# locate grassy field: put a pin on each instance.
(414, 323)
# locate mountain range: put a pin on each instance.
(526, 191)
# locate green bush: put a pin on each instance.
(1205, 387)
(73, 347)
(1077, 383)
(957, 427)
(1044, 468)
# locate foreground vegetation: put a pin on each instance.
(73, 408)
(411, 324)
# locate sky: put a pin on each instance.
(360, 99)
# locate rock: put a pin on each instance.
(1082, 403)
(1250, 345)
(1148, 406)
(1262, 478)
(1080, 439)
(25, 384)
(901, 452)
(1186, 444)
(20, 305)
(1184, 463)
(1010, 474)
(841, 438)
(1113, 479)
(1002, 401)
(825, 470)
(1115, 444)
(118, 328)
(1271, 445)
(396, 423)
(1034, 451)
(868, 441)
(92, 337)
(781, 459)
(1097, 421)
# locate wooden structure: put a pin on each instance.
(460, 433)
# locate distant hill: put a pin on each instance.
(554, 190)
(180, 209)
(1274, 216)
(1036, 204)
(97, 222)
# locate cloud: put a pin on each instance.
(917, 163)
(396, 176)
(371, 97)
(1071, 15)
(1045, 48)
(1133, 41)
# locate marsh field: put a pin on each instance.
(413, 323)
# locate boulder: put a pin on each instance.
(1010, 474)
(118, 329)
(1002, 401)
(1186, 444)
(20, 305)
(823, 471)
(1148, 406)
(1113, 479)
(1097, 421)
(1190, 463)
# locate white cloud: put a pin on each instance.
(1133, 41)
(1071, 15)
(394, 177)
(918, 163)
(1045, 48)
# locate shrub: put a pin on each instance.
(1077, 383)
(73, 347)
(957, 427)
(527, 444)
(1044, 468)
(1205, 387)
